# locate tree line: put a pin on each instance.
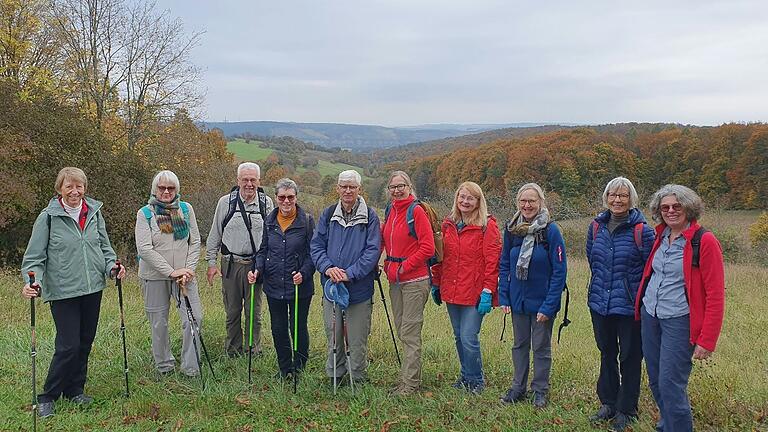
(726, 165)
(108, 86)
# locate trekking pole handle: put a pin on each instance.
(31, 276)
(182, 285)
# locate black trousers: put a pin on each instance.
(282, 315)
(621, 353)
(76, 320)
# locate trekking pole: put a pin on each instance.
(250, 330)
(119, 284)
(346, 349)
(194, 326)
(33, 349)
(333, 330)
(295, 334)
(389, 321)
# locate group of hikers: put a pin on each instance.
(656, 293)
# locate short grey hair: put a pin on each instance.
(534, 187)
(405, 177)
(166, 175)
(351, 175)
(249, 165)
(286, 183)
(618, 183)
(692, 204)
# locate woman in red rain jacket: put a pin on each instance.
(406, 269)
(467, 278)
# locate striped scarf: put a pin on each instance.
(517, 227)
(170, 217)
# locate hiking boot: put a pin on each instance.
(476, 388)
(605, 413)
(45, 409)
(621, 422)
(539, 400)
(513, 396)
(405, 390)
(460, 384)
(81, 399)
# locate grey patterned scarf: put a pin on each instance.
(518, 227)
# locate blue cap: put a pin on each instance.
(336, 293)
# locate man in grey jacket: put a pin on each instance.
(236, 231)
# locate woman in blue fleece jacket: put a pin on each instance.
(531, 281)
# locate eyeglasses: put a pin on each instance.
(166, 188)
(530, 202)
(348, 187)
(621, 196)
(674, 207)
(397, 187)
(248, 180)
(282, 198)
(470, 198)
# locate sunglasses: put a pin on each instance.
(166, 188)
(667, 208)
(286, 197)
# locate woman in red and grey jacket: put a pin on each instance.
(680, 305)
(467, 278)
(406, 269)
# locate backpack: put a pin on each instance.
(638, 232)
(696, 245)
(148, 213)
(236, 204)
(434, 222)
(541, 239)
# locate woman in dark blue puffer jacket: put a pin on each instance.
(618, 243)
(284, 262)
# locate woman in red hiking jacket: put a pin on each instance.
(406, 269)
(467, 278)
(680, 306)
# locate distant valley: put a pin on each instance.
(356, 137)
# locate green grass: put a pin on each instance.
(729, 392)
(325, 167)
(248, 151)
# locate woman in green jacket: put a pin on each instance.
(71, 255)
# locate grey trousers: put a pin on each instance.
(358, 317)
(158, 295)
(236, 292)
(530, 334)
(408, 301)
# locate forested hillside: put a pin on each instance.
(725, 164)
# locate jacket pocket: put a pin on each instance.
(629, 293)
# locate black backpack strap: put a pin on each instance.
(566, 321)
(696, 245)
(262, 202)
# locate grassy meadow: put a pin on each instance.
(251, 151)
(729, 392)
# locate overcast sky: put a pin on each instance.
(394, 62)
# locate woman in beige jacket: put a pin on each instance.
(168, 243)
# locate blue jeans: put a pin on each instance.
(466, 321)
(667, 350)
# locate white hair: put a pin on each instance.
(249, 165)
(166, 175)
(350, 175)
(286, 183)
(616, 184)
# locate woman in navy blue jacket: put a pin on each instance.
(531, 280)
(618, 243)
(284, 262)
